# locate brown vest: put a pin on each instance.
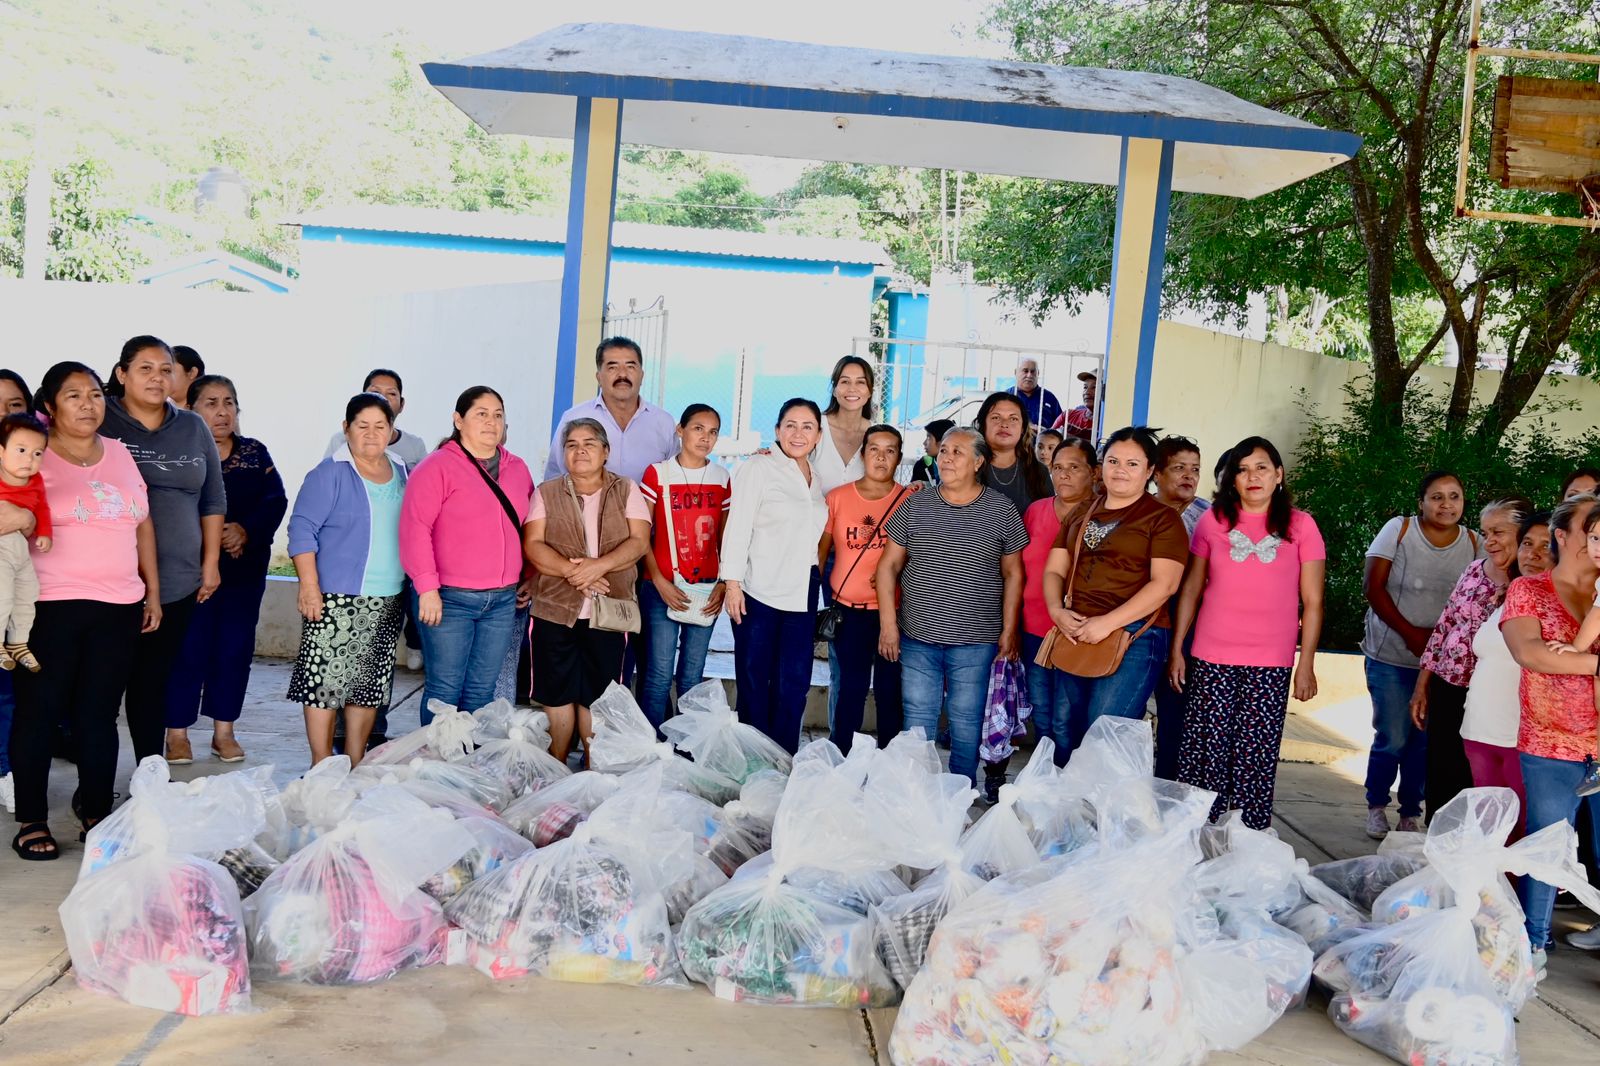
(553, 599)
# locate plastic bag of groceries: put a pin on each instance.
(791, 927)
(470, 785)
(588, 907)
(347, 908)
(151, 922)
(1241, 979)
(521, 762)
(448, 736)
(710, 733)
(1363, 879)
(553, 812)
(1467, 865)
(747, 821)
(1417, 992)
(1056, 821)
(494, 722)
(625, 740)
(928, 813)
(1073, 960)
(643, 817)
(316, 802)
(494, 844)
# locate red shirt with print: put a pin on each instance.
(693, 505)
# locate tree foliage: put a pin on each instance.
(88, 239)
(1378, 233)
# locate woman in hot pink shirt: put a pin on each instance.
(1260, 564)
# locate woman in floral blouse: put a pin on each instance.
(1440, 698)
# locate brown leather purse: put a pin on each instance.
(1086, 660)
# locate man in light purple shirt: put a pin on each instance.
(640, 433)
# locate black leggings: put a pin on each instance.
(1448, 769)
(86, 649)
(147, 684)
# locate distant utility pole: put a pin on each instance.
(36, 220)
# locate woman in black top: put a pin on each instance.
(1013, 471)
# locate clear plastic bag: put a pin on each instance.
(494, 844)
(707, 729)
(1416, 992)
(1073, 960)
(149, 921)
(469, 784)
(494, 722)
(591, 907)
(1242, 981)
(758, 800)
(1467, 865)
(448, 736)
(552, 813)
(1248, 867)
(520, 763)
(316, 802)
(625, 740)
(347, 909)
(786, 929)
(1363, 879)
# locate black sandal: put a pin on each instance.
(41, 836)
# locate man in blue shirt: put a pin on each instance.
(1041, 404)
(640, 433)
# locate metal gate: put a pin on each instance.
(648, 329)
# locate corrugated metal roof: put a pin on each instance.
(491, 225)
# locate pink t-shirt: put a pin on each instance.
(1250, 610)
(96, 511)
(635, 508)
(1043, 528)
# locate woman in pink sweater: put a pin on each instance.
(461, 546)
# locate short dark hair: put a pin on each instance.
(698, 409)
(44, 401)
(383, 372)
(363, 400)
(205, 381)
(799, 401)
(11, 423)
(22, 386)
(1432, 476)
(1171, 447)
(130, 348)
(939, 427)
(1582, 471)
(616, 342)
(1144, 436)
(884, 427)
(1060, 436)
(1090, 456)
(1524, 527)
(188, 358)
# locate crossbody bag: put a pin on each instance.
(829, 617)
(1080, 659)
(695, 613)
(610, 614)
(499, 494)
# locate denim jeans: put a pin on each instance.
(464, 652)
(855, 648)
(1398, 747)
(772, 669)
(1052, 713)
(1550, 785)
(955, 676)
(8, 705)
(670, 644)
(1125, 693)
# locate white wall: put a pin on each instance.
(298, 358)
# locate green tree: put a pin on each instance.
(89, 240)
(1378, 232)
(719, 199)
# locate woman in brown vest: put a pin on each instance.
(585, 533)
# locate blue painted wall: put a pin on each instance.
(908, 319)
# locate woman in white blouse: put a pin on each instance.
(837, 458)
(769, 567)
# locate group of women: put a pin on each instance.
(163, 521)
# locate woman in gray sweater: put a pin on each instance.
(178, 460)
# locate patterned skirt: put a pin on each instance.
(348, 656)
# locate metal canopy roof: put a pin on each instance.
(752, 96)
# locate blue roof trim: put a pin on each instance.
(1025, 116)
(550, 249)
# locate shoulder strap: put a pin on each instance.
(861, 554)
(1072, 573)
(1405, 527)
(494, 486)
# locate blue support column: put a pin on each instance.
(591, 206)
(1144, 196)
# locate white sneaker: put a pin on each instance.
(8, 793)
(1377, 822)
(413, 659)
(1409, 823)
(1541, 964)
(1587, 940)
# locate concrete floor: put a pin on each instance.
(444, 1013)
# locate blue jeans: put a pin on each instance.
(1052, 712)
(1398, 747)
(8, 704)
(1125, 693)
(668, 644)
(1550, 785)
(855, 649)
(772, 668)
(956, 677)
(463, 654)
